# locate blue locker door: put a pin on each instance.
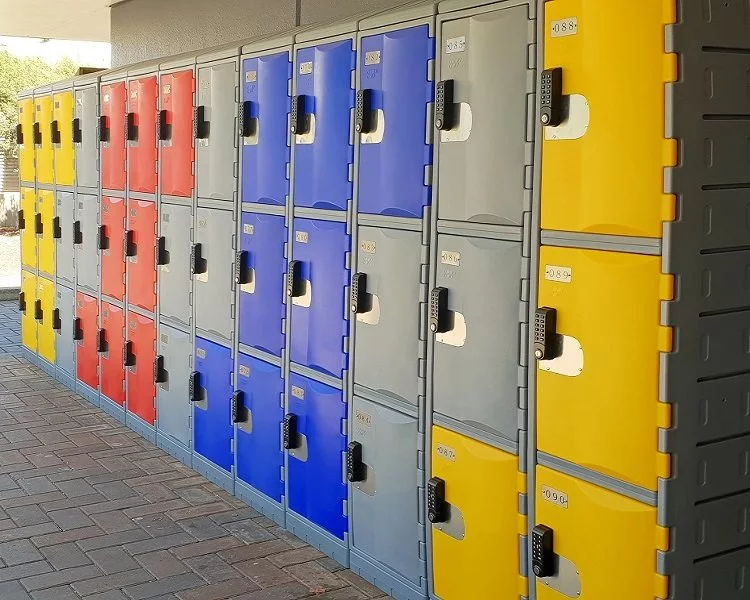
(316, 480)
(262, 305)
(260, 412)
(319, 323)
(393, 152)
(324, 154)
(212, 416)
(265, 132)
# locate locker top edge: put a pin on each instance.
(87, 79)
(143, 69)
(269, 42)
(23, 94)
(185, 60)
(401, 14)
(220, 53)
(60, 86)
(447, 6)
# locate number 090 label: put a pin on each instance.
(565, 27)
(554, 496)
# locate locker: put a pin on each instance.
(262, 265)
(43, 141)
(114, 214)
(86, 241)
(481, 174)
(175, 130)
(476, 544)
(626, 157)
(265, 119)
(260, 410)
(112, 135)
(323, 149)
(141, 252)
(112, 353)
(26, 224)
(175, 281)
(27, 304)
(319, 304)
(46, 231)
(64, 151)
(317, 490)
(65, 302)
(48, 319)
(389, 321)
(214, 276)
(64, 251)
(86, 138)
(212, 399)
(141, 134)
(26, 168)
(173, 398)
(477, 354)
(575, 511)
(216, 160)
(394, 152)
(87, 333)
(141, 348)
(614, 433)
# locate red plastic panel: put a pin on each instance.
(177, 149)
(87, 357)
(113, 367)
(113, 253)
(142, 149)
(114, 100)
(142, 266)
(141, 387)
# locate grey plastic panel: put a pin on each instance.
(65, 211)
(65, 302)
(175, 279)
(173, 406)
(87, 253)
(87, 151)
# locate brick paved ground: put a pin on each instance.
(89, 509)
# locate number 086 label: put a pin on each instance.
(554, 496)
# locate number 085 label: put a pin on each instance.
(554, 496)
(564, 27)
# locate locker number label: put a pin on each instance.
(555, 496)
(362, 418)
(368, 247)
(565, 27)
(558, 274)
(251, 77)
(248, 228)
(446, 452)
(452, 259)
(456, 44)
(298, 392)
(244, 371)
(200, 353)
(302, 237)
(372, 58)
(166, 89)
(306, 68)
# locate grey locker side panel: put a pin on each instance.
(65, 252)
(66, 358)
(87, 253)
(87, 151)
(175, 283)
(174, 407)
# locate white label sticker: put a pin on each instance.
(446, 452)
(106, 97)
(251, 76)
(372, 58)
(554, 496)
(244, 371)
(565, 27)
(559, 274)
(200, 353)
(362, 418)
(368, 247)
(166, 89)
(302, 237)
(305, 68)
(452, 259)
(456, 44)
(298, 392)
(248, 228)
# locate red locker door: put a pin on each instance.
(112, 134)
(142, 152)
(113, 247)
(141, 346)
(112, 355)
(87, 325)
(177, 149)
(142, 254)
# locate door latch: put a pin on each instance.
(56, 323)
(131, 129)
(161, 251)
(291, 436)
(77, 233)
(445, 118)
(22, 302)
(164, 129)
(248, 124)
(77, 133)
(242, 268)
(355, 468)
(38, 311)
(201, 126)
(77, 329)
(238, 401)
(542, 552)
(131, 248)
(439, 310)
(101, 341)
(128, 358)
(294, 286)
(19, 134)
(104, 129)
(546, 342)
(37, 134)
(436, 508)
(38, 225)
(159, 370)
(101, 238)
(364, 115)
(299, 118)
(194, 385)
(197, 263)
(359, 298)
(21, 220)
(552, 96)
(54, 131)
(56, 229)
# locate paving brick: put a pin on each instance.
(348, 593)
(76, 488)
(113, 522)
(202, 528)
(238, 514)
(263, 572)
(120, 504)
(111, 582)
(161, 564)
(248, 531)
(197, 495)
(296, 556)
(159, 507)
(112, 560)
(212, 568)
(7, 483)
(329, 564)
(33, 499)
(111, 595)
(24, 570)
(219, 591)
(315, 576)
(18, 552)
(65, 556)
(12, 590)
(198, 511)
(162, 543)
(156, 492)
(114, 490)
(259, 550)
(158, 525)
(47, 580)
(61, 592)
(24, 516)
(169, 585)
(71, 518)
(288, 537)
(66, 536)
(25, 532)
(355, 580)
(37, 485)
(288, 591)
(206, 547)
(113, 539)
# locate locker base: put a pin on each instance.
(319, 538)
(87, 392)
(260, 502)
(180, 452)
(112, 408)
(141, 427)
(68, 380)
(46, 366)
(213, 473)
(29, 355)
(386, 579)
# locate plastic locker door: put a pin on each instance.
(172, 389)
(212, 416)
(476, 549)
(46, 332)
(26, 167)
(27, 303)
(114, 214)
(214, 287)
(386, 499)
(26, 224)
(43, 140)
(87, 357)
(64, 151)
(260, 409)
(477, 354)
(86, 241)
(141, 342)
(177, 116)
(66, 348)
(112, 135)
(217, 152)
(85, 137)
(612, 433)
(141, 264)
(175, 281)
(141, 137)
(394, 153)
(112, 353)
(46, 230)
(319, 315)
(262, 267)
(265, 108)
(486, 149)
(323, 146)
(64, 230)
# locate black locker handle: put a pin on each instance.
(242, 274)
(445, 109)
(194, 384)
(77, 133)
(248, 124)
(128, 358)
(101, 340)
(291, 435)
(201, 126)
(77, 329)
(56, 323)
(19, 134)
(22, 302)
(294, 283)
(21, 220)
(37, 134)
(299, 119)
(359, 298)
(355, 468)
(437, 510)
(38, 310)
(164, 130)
(131, 129)
(102, 240)
(551, 112)
(159, 370)
(54, 132)
(238, 402)
(161, 251)
(38, 225)
(542, 551)
(56, 229)
(439, 310)
(131, 249)
(364, 115)
(546, 340)
(197, 264)
(77, 233)
(104, 128)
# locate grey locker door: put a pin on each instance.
(214, 289)
(64, 254)
(66, 357)
(173, 403)
(385, 505)
(481, 173)
(175, 281)
(217, 154)
(387, 341)
(87, 252)
(87, 150)
(476, 363)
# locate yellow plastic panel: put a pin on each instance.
(28, 237)
(26, 150)
(46, 209)
(482, 482)
(45, 291)
(592, 528)
(608, 176)
(598, 403)
(28, 320)
(44, 154)
(64, 151)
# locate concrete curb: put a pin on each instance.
(9, 293)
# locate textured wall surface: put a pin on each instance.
(313, 11)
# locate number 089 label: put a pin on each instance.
(554, 496)
(564, 27)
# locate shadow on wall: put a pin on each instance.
(9, 205)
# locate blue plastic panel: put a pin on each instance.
(212, 417)
(321, 169)
(262, 305)
(316, 479)
(319, 324)
(259, 453)
(266, 153)
(394, 156)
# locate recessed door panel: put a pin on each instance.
(141, 134)
(112, 135)
(175, 129)
(141, 388)
(112, 353)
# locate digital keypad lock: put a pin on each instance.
(542, 552)
(437, 510)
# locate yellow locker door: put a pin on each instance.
(44, 154)
(476, 551)
(63, 147)
(603, 167)
(598, 401)
(45, 293)
(606, 544)
(28, 314)
(46, 219)
(27, 226)
(26, 147)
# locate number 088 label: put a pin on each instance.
(564, 27)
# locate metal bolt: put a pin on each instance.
(439, 123)
(354, 308)
(433, 328)
(538, 354)
(545, 119)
